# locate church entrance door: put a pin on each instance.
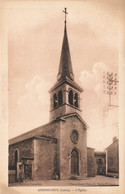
(74, 162)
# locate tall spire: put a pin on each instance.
(65, 67)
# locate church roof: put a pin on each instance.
(39, 132)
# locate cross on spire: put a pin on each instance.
(65, 11)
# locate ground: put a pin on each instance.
(89, 181)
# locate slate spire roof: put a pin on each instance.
(65, 73)
(65, 66)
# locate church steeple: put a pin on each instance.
(65, 94)
(65, 66)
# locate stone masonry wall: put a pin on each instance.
(25, 149)
(66, 146)
(47, 153)
(44, 159)
(90, 162)
(60, 109)
(53, 130)
(65, 108)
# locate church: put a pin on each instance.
(58, 149)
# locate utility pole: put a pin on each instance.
(110, 86)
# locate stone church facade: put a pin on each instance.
(57, 150)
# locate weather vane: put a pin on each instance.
(65, 11)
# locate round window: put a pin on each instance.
(74, 136)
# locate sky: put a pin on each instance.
(35, 35)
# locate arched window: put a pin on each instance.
(60, 97)
(71, 97)
(54, 100)
(16, 160)
(16, 157)
(74, 162)
(76, 100)
(100, 161)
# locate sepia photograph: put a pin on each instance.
(63, 94)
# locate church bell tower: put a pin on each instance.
(65, 94)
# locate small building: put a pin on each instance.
(112, 158)
(100, 163)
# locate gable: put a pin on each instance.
(77, 116)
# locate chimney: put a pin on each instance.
(114, 139)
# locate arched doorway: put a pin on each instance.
(74, 162)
